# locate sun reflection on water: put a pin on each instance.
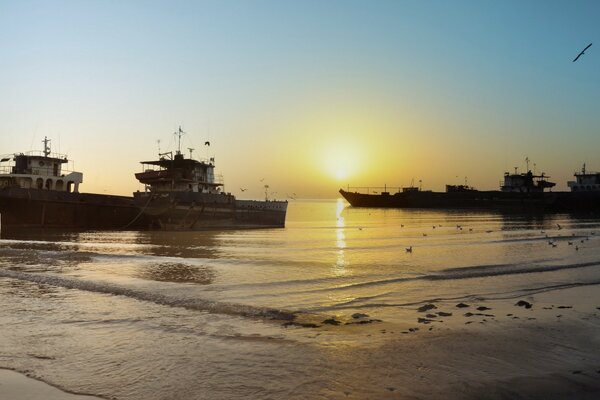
(340, 265)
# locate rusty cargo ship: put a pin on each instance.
(36, 190)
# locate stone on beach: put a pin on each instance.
(426, 307)
(523, 303)
(444, 314)
(462, 305)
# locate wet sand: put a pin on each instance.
(543, 346)
(17, 386)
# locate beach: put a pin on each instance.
(548, 351)
(331, 307)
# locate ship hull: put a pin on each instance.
(490, 200)
(205, 211)
(53, 209)
(467, 199)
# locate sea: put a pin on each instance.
(266, 313)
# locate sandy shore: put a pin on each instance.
(542, 346)
(17, 386)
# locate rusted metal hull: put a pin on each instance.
(53, 209)
(201, 211)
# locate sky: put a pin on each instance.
(305, 96)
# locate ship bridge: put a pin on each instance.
(178, 173)
(39, 170)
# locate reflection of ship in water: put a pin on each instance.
(519, 191)
(184, 194)
(177, 255)
(36, 191)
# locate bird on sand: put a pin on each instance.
(409, 249)
(582, 52)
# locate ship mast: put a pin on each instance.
(46, 142)
(179, 133)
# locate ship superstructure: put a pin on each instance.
(526, 182)
(185, 194)
(585, 181)
(39, 170)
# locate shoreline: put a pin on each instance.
(550, 351)
(16, 385)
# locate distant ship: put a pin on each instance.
(519, 191)
(36, 191)
(184, 194)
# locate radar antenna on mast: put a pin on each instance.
(46, 142)
(179, 133)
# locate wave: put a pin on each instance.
(197, 304)
(478, 271)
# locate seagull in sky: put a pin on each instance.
(582, 52)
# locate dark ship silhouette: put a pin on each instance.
(519, 191)
(36, 191)
(180, 194)
(184, 194)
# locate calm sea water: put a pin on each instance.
(200, 315)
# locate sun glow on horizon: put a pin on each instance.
(341, 161)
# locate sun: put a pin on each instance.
(341, 173)
(340, 162)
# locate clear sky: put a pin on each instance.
(308, 95)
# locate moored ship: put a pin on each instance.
(519, 191)
(36, 191)
(184, 194)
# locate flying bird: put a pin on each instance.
(207, 143)
(243, 189)
(582, 52)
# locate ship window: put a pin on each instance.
(59, 184)
(69, 186)
(39, 183)
(49, 184)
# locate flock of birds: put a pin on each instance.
(550, 242)
(292, 196)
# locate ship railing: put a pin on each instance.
(40, 153)
(7, 169)
(374, 189)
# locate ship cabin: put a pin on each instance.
(525, 182)
(179, 174)
(459, 188)
(410, 189)
(39, 170)
(585, 181)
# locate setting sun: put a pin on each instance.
(341, 162)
